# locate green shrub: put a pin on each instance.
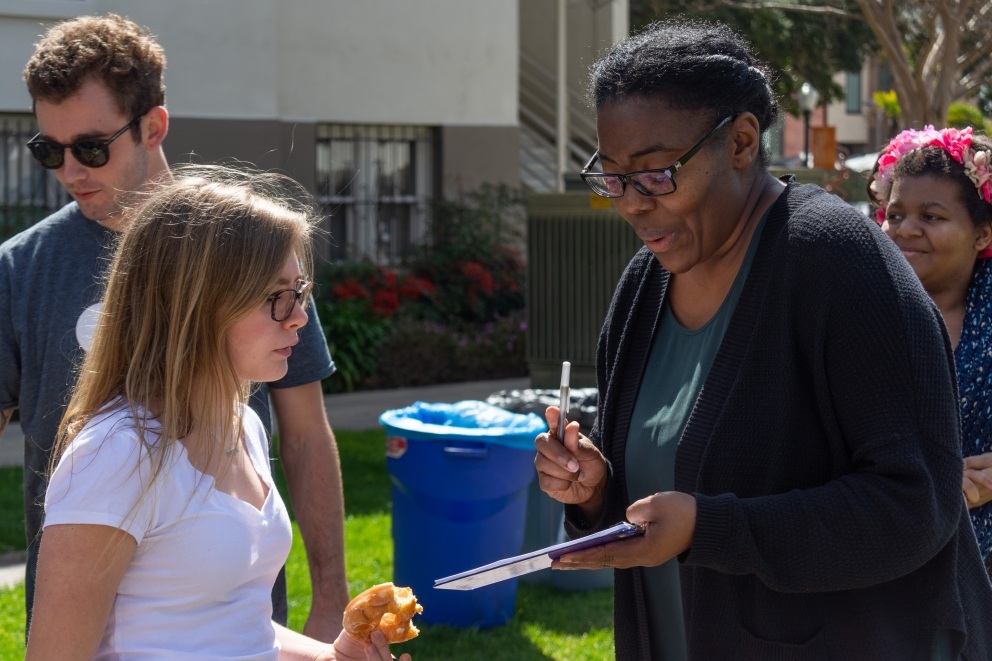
(417, 353)
(495, 349)
(960, 115)
(452, 312)
(888, 102)
(471, 256)
(354, 336)
(420, 352)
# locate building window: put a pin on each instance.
(884, 78)
(853, 102)
(28, 192)
(375, 183)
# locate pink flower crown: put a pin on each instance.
(954, 142)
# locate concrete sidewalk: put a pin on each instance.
(361, 410)
(349, 411)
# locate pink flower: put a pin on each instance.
(955, 142)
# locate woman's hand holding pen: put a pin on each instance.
(572, 470)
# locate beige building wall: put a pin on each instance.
(250, 79)
(852, 128)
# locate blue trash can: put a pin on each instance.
(459, 476)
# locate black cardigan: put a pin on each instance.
(823, 451)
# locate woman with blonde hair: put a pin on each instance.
(164, 530)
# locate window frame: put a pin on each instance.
(354, 194)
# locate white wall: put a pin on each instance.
(451, 62)
(851, 128)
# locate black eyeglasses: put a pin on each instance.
(646, 182)
(91, 152)
(284, 300)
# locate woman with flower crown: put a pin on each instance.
(933, 197)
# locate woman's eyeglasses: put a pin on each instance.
(284, 300)
(91, 152)
(646, 182)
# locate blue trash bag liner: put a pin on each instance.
(469, 420)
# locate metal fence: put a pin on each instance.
(375, 184)
(575, 256)
(28, 192)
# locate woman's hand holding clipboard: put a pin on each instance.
(508, 568)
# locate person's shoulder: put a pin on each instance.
(114, 429)
(115, 415)
(819, 222)
(47, 230)
(808, 204)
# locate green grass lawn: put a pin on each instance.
(548, 623)
(11, 509)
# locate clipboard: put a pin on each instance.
(508, 568)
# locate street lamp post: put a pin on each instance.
(808, 98)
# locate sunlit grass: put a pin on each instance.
(548, 624)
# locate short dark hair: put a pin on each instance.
(689, 65)
(122, 55)
(937, 162)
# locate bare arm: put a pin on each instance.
(79, 571)
(5, 417)
(310, 460)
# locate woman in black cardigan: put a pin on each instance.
(777, 395)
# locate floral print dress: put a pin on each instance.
(973, 360)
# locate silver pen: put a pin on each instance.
(566, 367)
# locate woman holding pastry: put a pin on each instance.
(164, 529)
(776, 393)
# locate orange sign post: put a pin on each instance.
(824, 147)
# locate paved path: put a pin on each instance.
(361, 410)
(12, 445)
(351, 411)
(11, 569)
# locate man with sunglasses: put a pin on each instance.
(98, 94)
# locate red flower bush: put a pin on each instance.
(350, 289)
(479, 277)
(384, 290)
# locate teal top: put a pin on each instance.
(677, 366)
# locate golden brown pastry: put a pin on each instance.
(384, 607)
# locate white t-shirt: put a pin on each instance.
(199, 584)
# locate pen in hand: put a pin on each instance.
(563, 401)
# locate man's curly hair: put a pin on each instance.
(122, 55)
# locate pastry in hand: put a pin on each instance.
(384, 607)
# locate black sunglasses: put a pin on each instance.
(91, 152)
(646, 182)
(284, 300)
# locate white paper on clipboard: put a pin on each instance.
(519, 565)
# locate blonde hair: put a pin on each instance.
(200, 252)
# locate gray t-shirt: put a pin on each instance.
(50, 281)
